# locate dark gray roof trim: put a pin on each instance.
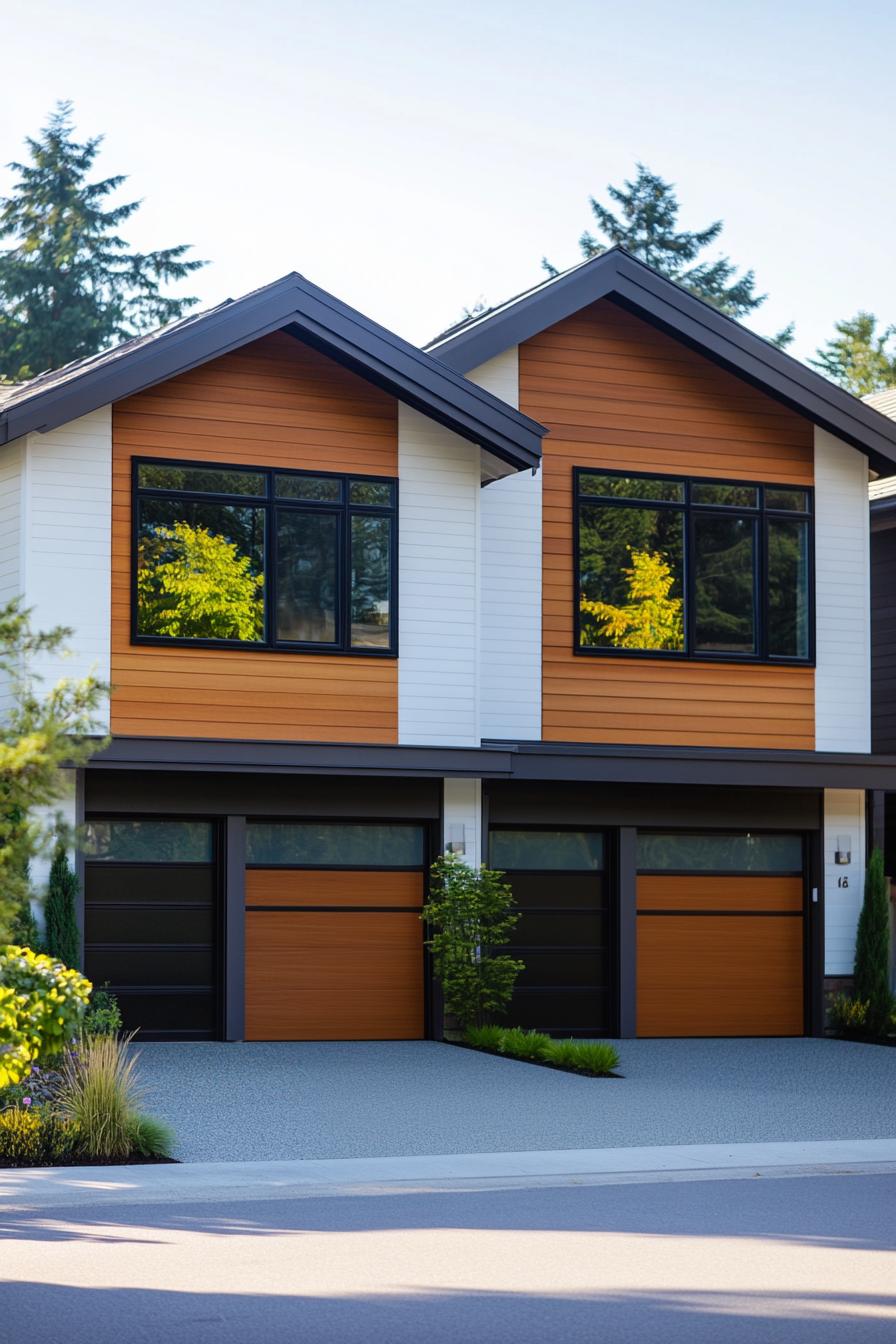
(531, 761)
(618, 276)
(309, 314)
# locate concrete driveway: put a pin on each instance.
(270, 1101)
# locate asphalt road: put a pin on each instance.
(771, 1258)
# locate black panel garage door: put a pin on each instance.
(565, 935)
(151, 923)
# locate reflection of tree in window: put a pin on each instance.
(370, 581)
(631, 578)
(200, 571)
(306, 576)
(724, 576)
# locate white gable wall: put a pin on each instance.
(67, 556)
(842, 597)
(438, 582)
(12, 459)
(510, 617)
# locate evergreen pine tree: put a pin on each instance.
(69, 284)
(871, 983)
(646, 225)
(62, 939)
(859, 358)
(23, 930)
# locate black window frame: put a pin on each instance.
(343, 510)
(690, 510)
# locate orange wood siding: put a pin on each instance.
(615, 393)
(666, 891)
(290, 886)
(274, 403)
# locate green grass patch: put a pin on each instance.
(595, 1058)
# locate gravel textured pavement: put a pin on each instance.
(273, 1101)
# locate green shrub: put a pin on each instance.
(150, 1137)
(61, 936)
(99, 1094)
(103, 1016)
(847, 1013)
(484, 1038)
(523, 1044)
(871, 980)
(35, 1139)
(471, 914)
(41, 1007)
(595, 1057)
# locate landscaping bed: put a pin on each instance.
(589, 1059)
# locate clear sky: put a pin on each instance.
(415, 155)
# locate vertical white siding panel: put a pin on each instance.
(11, 531)
(68, 490)
(510, 703)
(844, 814)
(462, 806)
(842, 597)
(438, 581)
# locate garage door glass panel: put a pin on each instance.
(124, 841)
(311, 844)
(552, 928)
(561, 966)
(584, 1012)
(574, 850)
(556, 890)
(186, 883)
(745, 853)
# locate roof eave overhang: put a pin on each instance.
(312, 316)
(622, 279)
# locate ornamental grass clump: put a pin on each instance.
(594, 1057)
(99, 1095)
(522, 1044)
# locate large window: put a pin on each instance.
(708, 569)
(264, 558)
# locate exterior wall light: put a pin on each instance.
(843, 852)
(455, 838)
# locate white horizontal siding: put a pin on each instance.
(11, 477)
(67, 555)
(510, 617)
(438, 581)
(462, 807)
(844, 814)
(842, 597)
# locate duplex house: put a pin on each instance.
(580, 591)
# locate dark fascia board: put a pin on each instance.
(309, 314)
(618, 276)
(198, 754)
(529, 761)
(734, 767)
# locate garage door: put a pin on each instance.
(334, 941)
(151, 922)
(564, 935)
(720, 935)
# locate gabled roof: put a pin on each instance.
(310, 314)
(621, 278)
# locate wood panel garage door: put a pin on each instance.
(336, 953)
(720, 951)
